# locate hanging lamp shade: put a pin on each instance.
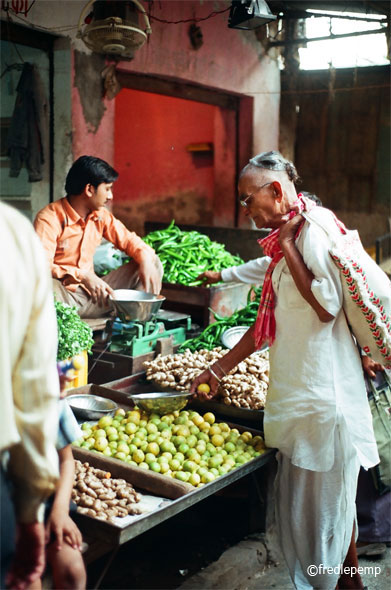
(249, 14)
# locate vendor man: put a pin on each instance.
(70, 230)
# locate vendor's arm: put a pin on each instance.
(219, 369)
(150, 269)
(301, 275)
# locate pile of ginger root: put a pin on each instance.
(99, 495)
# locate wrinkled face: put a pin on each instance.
(259, 200)
(100, 195)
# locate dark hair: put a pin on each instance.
(88, 170)
(313, 197)
(275, 161)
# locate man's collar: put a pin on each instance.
(73, 217)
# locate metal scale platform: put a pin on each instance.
(138, 338)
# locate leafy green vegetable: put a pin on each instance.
(74, 335)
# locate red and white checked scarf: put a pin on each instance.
(265, 325)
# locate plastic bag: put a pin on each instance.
(108, 258)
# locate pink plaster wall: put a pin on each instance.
(84, 140)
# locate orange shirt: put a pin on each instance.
(70, 241)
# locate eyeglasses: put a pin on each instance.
(244, 202)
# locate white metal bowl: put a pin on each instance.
(131, 305)
(231, 337)
(91, 407)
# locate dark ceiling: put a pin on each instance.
(370, 7)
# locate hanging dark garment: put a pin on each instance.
(27, 130)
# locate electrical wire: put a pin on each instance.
(188, 20)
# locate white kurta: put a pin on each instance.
(316, 378)
(318, 416)
(251, 272)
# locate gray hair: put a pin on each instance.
(274, 161)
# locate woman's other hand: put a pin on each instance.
(370, 366)
(288, 231)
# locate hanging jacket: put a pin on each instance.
(28, 125)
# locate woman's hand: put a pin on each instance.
(207, 378)
(370, 366)
(209, 277)
(288, 231)
(64, 530)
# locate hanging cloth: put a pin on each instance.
(28, 125)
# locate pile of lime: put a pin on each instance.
(184, 445)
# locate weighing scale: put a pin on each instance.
(136, 338)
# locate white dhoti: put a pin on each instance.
(315, 513)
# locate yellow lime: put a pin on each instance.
(209, 417)
(203, 388)
(154, 448)
(130, 428)
(195, 479)
(105, 421)
(138, 456)
(101, 443)
(217, 440)
(208, 477)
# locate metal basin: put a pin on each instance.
(131, 305)
(161, 403)
(91, 407)
(231, 337)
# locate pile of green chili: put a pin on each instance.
(186, 254)
(211, 336)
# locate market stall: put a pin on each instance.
(161, 496)
(162, 460)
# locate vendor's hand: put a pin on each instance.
(209, 277)
(97, 288)
(288, 231)
(370, 366)
(205, 377)
(151, 274)
(64, 530)
(29, 558)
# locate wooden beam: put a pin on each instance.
(177, 89)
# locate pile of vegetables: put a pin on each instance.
(244, 387)
(186, 254)
(98, 495)
(210, 337)
(74, 335)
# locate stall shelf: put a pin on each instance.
(114, 534)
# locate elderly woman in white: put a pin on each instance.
(316, 414)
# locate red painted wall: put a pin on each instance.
(151, 135)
